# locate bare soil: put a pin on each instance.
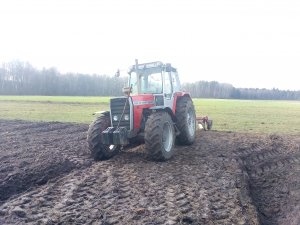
(48, 177)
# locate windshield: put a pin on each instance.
(149, 83)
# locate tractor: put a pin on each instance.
(153, 108)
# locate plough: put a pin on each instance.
(204, 122)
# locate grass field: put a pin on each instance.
(228, 115)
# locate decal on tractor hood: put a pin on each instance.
(143, 102)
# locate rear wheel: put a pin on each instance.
(159, 136)
(186, 121)
(98, 150)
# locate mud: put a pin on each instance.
(48, 177)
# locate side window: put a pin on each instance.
(168, 86)
(174, 82)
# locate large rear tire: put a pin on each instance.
(100, 151)
(159, 136)
(186, 121)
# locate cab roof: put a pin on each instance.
(152, 66)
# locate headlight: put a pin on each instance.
(126, 117)
(115, 118)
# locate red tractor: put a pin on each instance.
(154, 109)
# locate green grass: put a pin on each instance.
(227, 115)
(252, 116)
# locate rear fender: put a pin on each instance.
(177, 96)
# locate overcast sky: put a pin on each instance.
(253, 43)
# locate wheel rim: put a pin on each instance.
(167, 137)
(191, 121)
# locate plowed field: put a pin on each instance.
(48, 177)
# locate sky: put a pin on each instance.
(247, 43)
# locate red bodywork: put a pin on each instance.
(146, 101)
(141, 102)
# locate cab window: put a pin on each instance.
(168, 85)
(151, 83)
(175, 84)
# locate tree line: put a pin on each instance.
(21, 78)
(213, 89)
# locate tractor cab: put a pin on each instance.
(155, 78)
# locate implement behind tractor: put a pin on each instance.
(154, 109)
(204, 123)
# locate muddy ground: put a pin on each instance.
(48, 177)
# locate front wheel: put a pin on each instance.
(100, 151)
(159, 136)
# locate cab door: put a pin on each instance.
(168, 90)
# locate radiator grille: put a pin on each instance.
(117, 107)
